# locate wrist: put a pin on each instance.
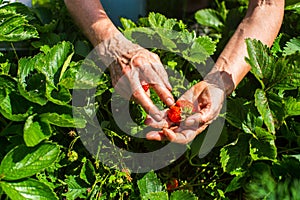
(222, 80)
(102, 30)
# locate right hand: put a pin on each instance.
(130, 67)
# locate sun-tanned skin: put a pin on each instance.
(262, 22)
(137, 64)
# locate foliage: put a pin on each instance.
(44, 157)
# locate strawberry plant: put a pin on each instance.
(44, 152)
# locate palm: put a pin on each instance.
(207, 99)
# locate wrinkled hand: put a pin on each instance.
(130, 67)
(207, 97)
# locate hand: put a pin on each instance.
(130, 67)
(207, 97)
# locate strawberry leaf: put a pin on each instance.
(263, 146)
(235, 155)
(28, 189)
(181, 194)
(149, 184)
(22, 161)
(292, 47)
(263, 106)
(14, 24)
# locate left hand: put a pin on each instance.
(207, 97)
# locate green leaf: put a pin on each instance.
(235, 184)
(5, 67)
(155, 196)
(28, 189)
(157, 20)
(289, 77)
(149, 184)
(262, 104)
(234, 155)
(12, 105)
(87, 172)
(263, 146)
(180, 194)
(77, 188)
(259, 59)
(292, 5)
(277, 107)
(242, 114)
(14, 26)
(22, 161)
(292, 46)
(276, 48)
(62, 120)
(261, 183)
(287, 167)
(281, 73)
(127, 23)
(35, 131)
(32, 85)
(209, 17)
(292, 106)
(172, 35)
(61, 115)
(82, 48)
(201, 48)
(53, 64)
(84, 75)
(39, 76)
(59, 95)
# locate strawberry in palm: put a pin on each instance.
(180, 111)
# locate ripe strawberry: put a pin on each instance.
(180, 111)
(172, 184)
(145, 86)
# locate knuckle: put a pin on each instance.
(155, 56)
(137, 62)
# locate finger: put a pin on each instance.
(149, 121)
(160, 70)
(201, 129)
(170, 134)
(156, 135)
(159, 87)
(198, 119)
(143, 99)
(131, 79)
(151, 76)
(164, 94)
(180, 136)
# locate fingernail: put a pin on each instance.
(169, 101)
(157, 117)
(190, 122)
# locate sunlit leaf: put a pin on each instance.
(263, 146)
(263, 107)
(24, 161)
(28, 189)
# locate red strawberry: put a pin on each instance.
(174, 113)
(180, 111)
(172, 184)
(145, 86)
